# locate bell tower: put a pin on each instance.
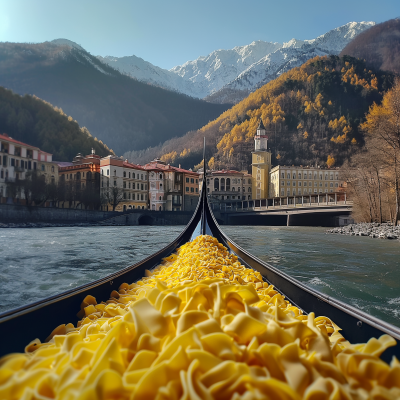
(261, 164)
(260, 139)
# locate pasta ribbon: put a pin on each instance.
(199, 326)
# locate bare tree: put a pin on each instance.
(113, 195)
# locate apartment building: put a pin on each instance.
(171, 188)
(298, 180)
(17, 160)
(126, 180)
(80, 182)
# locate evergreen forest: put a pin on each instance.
(121, 111)
(35, 122)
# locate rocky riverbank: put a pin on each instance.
(373, 230)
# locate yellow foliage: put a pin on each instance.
(278, 156)
(353, 141)
(184, 153)
(169, 158)
(330, 161)
(300, 126)
(211, 163)
(305, 135)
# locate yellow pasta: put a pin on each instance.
(199, 326)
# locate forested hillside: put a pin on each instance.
(124, 113)
(310, 113)
(379, 46)
(35, 122)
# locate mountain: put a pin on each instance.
(122, 112)
(379, 46)
(33, 121)
(226, 75)
(309, 112)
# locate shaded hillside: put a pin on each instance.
(379, 46)
(310, 112)
(122, 112)
(35, 122)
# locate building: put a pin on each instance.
(80, 182)
(124, 184)
(17, 161)
(227, 185)
(261, 164)
(296, 181)
(172, 188)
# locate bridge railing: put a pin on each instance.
(314, 200)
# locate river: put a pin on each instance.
(39, 262)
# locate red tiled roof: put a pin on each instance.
(4, 136)
(135, 166)
(154, 166)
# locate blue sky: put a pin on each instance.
(170, 32)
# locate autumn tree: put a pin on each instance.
(383, 127)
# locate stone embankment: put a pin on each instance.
(373, 230)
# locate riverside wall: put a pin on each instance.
(10, 213)
(20, 215)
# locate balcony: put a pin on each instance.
(9, 180)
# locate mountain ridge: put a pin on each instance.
(218, 70)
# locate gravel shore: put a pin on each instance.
(372, 229)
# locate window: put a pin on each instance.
(288, 175)
(115, 172)
(124, 174)
(141, 197)
(282, 192)
(129, 185)
(124, 195)
(294, 175)
(326, 184)
(315, 184)
(187, 189)
(331, 184)
(283, 183)
(249, 190)
(191, 180)
(283, 175)
(12, 162)
(133, 175)
(197, 190)
(141, 186)
(294, 183)
(70, 176)
(133, 197)
(160, 198)
(299, 183)
(197, 181)
(310, 175)
(141, 176)
(336, 184)
(249, 181)
(187, 180)
(34, 166)
(102, 172)
(124, 185)
(192, 190)
(115, 183)
(133, 185)
(160, 176)
(108, 172)
(129, 196)
(299, 175)
(129, 174)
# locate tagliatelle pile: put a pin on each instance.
(199, 326)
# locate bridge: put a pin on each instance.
(328, 209)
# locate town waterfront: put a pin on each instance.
(37, 263)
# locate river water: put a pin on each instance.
(39, 262)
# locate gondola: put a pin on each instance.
(21, 325)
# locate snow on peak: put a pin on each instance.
(243, 67)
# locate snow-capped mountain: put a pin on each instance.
(242, 68)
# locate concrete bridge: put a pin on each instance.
(313, 210)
